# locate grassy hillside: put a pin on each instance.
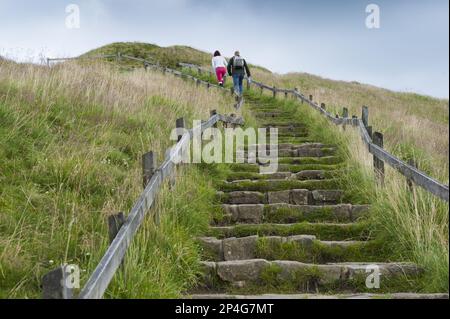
(71, 139)
(414, 126)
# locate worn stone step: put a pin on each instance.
(273, 114)
(304, 152)
(274, 187)
(304, 248)
(323, 231)
(303, 277)
(287, 127)
(404, 295)
(290, 196)
(287, 213)
(310, 160)
(282, 168)
(289, 146)
(302, 176)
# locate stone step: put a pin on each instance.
(291, 146)
(310, 160)
(282, 168)
(274, 187)
(303, 277)
(303, 248)
(290, 196)
(273, 114)
(288, 127)
(304, 152)
(323, 231)
(287, 213)
(301, 176)
(402, 295)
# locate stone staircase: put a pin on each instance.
(291, 235)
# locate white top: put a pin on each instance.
(219, 61)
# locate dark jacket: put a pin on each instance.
(237, 71)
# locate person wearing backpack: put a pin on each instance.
(237, 68)
(219, 64)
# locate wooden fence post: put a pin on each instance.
(54, 285)
(115, 222)
(274, 92)
(377, 163)
(180, 123)
(261, 90)
(310, 97)
(365, 116)
(148, 167)
(286, 95)
(212, 113)
(248, 84)
(295, 95)
(345, 112)
(323, 106)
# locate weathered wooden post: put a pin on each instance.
(197, 82)
(310, 97)
(180, 123)
(354, 120)
(285, 94)
(248, 84)
(148, 167)
(115, 222)
(378, 164)
(323, 106)
(208, 85)
(261, 90)
(212, 113)
(345, 116)
(54, 284)
(274, 92)
(365, 116)
(345, 112)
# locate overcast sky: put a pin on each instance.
(409, 52)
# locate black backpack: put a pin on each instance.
(238, 62)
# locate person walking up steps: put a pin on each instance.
(219, 64)
(237, 68)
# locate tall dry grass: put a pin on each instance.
(71, 139)
(414, 126)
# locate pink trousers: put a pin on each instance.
(220, 72)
